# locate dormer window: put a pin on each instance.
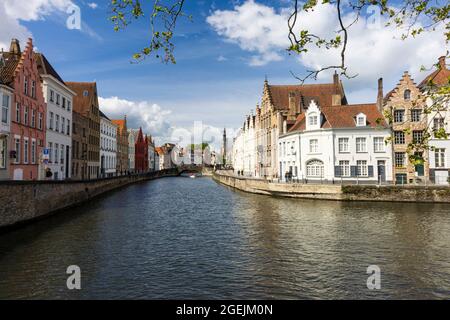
(407, 95)
(313, 119)
(361, 120)
(85, 93)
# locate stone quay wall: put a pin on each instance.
(391, 193)
(24, 201)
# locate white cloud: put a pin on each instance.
(254, 27)
(93, 5)
(372, 52)
(221, 58)
(151, 117)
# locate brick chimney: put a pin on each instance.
(15, 47)
(336, 98)
(442, 63)
(292, 107)
(380, 95)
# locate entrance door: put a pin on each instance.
(381, 171)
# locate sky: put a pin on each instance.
(223, 57)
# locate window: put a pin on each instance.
(417, 136)
(64, 103)
(52, 96)
(33, 118)
(378, 144)
(362, 169)
(18, 112)
(5, 108)
(50, 152)
(62, 154)
(63, 125)
(25, 151)
(399, 159)
(314, 168)
(25, 86)
(50, 125)
(313, 120)
(57, 123)
(343, 145)
(399, 137)
(416, 115)
(399, 116)
(3, 152)
(40, 121)
(33, 89)
(68, 105)
(344, 167)
(361, 121)
(407, 95)
(56, 152)
(17, 146)
(25, 116)
(313, 146)
(57, 99)
(33, 151)
(68, 127)
(361, 145)
(438, 123)
(85, 93)
(439, 158)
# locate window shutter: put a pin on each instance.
(353, 171)
(337, 171)
(370, 171)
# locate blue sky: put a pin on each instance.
(216, 79)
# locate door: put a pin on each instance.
(381, 171)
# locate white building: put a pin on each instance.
(59, 100)
(438, 121)
(334, 144)
(6, 94)
(132, 136)
(108, 146)
(151, 154)
(244, 149)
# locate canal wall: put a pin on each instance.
(391, 193)
(24, 201)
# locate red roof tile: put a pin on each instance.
(439, 77)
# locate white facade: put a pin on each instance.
(6, 95)
(59, 100)
(108, 147)
(335, 154)
(131, 149)
(439, 153)
(156, 162)
(151, 156)
(244, 154)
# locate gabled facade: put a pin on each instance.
(408, 124)
(59, 100)
(108, 146)
(80, 139)
(282, 103)
(244, 149)
(132, 135)
(122, 146)
(27, 122)
(86, 103)
(336, 144)
(439, 153)
(141, 153)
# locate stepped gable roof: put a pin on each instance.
(344, 117)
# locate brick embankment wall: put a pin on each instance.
(435, 194)
(24, 201)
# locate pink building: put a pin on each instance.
(27, 138)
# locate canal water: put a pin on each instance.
(192, 239)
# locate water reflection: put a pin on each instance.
(191, 238)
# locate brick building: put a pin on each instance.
(80, 129)
(86, 104)
(141, 153)
(122, 146)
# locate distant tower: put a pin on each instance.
(224, 151)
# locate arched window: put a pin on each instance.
(407, 94)
(314, 169)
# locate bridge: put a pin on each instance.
(195, 169)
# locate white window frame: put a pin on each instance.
(343, 145)
(378, 144)
(361, 144)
